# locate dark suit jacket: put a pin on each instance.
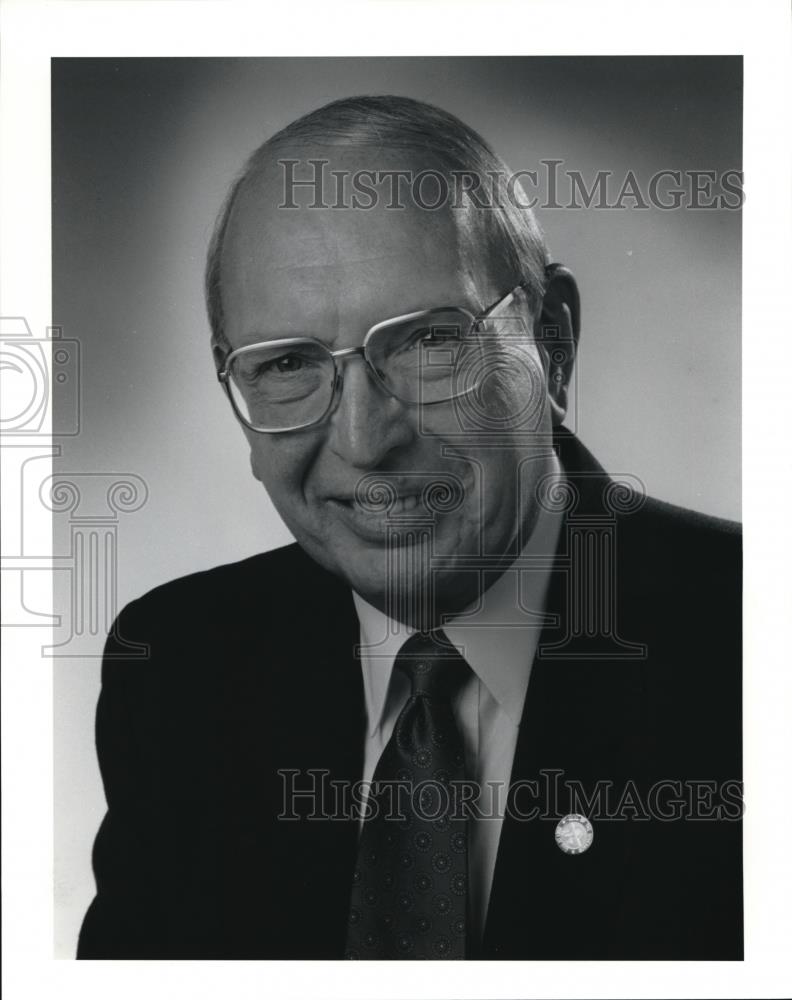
(252, 670)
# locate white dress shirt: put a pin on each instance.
(498, 640)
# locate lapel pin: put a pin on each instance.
(574, 834)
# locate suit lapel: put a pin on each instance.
(581, 725)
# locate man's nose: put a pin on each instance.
(367, 423)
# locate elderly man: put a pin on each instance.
(488, 706)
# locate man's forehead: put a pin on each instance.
(263, 232)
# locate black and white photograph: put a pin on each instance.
(391, 426)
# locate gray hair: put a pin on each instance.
(511, 232)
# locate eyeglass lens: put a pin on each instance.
(423, 360)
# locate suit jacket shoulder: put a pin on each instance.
(244, 667)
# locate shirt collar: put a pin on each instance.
(498, 636)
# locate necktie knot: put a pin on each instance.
(432, 665)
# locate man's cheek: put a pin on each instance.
(440, 423)
(278, 463)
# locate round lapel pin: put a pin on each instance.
(574, 834)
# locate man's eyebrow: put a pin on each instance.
(263, 335)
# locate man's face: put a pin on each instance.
(332, 274)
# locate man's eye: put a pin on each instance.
(285, 364)
(420, 338)
(432, 336)
(437, 334)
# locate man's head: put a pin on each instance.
(331, 274)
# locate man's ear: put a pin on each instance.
(219, 354)
(557, 334)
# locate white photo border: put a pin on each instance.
(33, 33)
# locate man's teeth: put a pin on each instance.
(404, 504)
(401, 505)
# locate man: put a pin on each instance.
(488, 706)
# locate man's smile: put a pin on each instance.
(377, 522)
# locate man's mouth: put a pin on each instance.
(381, 507)
(391, 521)
(392, 506)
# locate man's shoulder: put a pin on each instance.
(267, 592)
(265, 578)
(646, 527)
(682, 525)
(716, 529)
(676, 573)
(686, 542)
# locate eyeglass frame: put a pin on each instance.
(223, 373)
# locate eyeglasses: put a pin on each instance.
(421, 358)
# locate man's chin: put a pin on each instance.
(362, 565)
(394, 575)
(381, 581)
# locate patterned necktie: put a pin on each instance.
(409, 888)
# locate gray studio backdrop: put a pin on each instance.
(143, 152)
